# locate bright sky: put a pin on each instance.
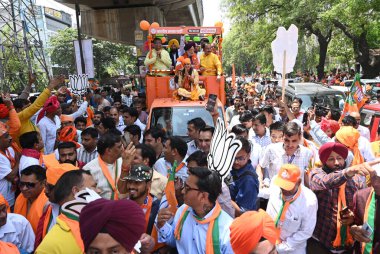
(212, 13)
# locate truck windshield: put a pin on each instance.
(174, 120)
(331, 100)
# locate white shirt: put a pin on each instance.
(5, 185)
(365, 149)
(256, 153)
(26, 161)
(263, 141)
(17, 230)
(193, 238)
(234, 121)
(162, 166)
(97, 173)
(191, 148)
(48, 131)
(300, 220)
(274, 157)
(364, 132)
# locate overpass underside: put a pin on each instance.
(118, 20)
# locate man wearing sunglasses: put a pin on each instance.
(32, 200)
(245, 186)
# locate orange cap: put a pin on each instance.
(8, 248)
(3, 201)
(247, 230)
(66, 118)
(54, 173)
(287, 177)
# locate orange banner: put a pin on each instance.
(233, 82)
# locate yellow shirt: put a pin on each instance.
(212, 65)
(375, 146)
(26, 114)
(59, 240)
(162, 63)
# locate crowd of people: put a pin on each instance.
(94, 179)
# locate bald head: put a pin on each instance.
(114, 113)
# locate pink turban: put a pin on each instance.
(328, 148)
(329, 124)
(51, 105)
(124, 220)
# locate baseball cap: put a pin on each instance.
(140, 173)
(287, 177)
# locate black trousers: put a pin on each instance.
(315, 247)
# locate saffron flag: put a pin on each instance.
(170, 189)
(357, 91)
(349, 106)
(233, 81)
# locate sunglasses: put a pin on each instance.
(28, 185)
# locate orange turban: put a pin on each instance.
(55, 172)
(186, 61)
(349, 136)
(67, 134)
(3, 201)
(247, 230)
(8, 248)
(66, 118)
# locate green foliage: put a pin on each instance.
(110, 58)
(254, 24)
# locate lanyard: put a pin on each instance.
(290, 160)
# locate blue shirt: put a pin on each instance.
(244, 189)
(193, 238)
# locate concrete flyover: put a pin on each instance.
(118, 20)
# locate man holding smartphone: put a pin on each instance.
(334, 185)
(367, 214)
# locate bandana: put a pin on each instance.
(328, 148)
(3, 201)
(67, 134)
(247, 230)
(51, 105)
(124, 220)
(55, 172)
(4, 111)
(66, 118)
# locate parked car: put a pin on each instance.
(313, 93)
(370, 117)
(368, 85)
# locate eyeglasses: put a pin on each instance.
(28, 185)
(240, 158)
(188, 188)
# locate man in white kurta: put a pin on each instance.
(297, 220)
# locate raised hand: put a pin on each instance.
(129, 154)
(56, 81)
(7, 100)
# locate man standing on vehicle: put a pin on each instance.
(210, 64)
(158, 58)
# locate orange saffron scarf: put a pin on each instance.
(47, 221)
(369, 217)
(212, 237)
(343, 236)
(110, 180)
(35, 211)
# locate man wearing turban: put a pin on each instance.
(106, 224)
(158, 58)
(48, 123)
(190, 53)
(14, 229)
(334, 185)
(248, 230)
(173, 46)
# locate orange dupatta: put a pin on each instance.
(343, 236)
(110, 180)
(35, 210)
(210, 239)
(73, 223)
(8, 248)
(47, 221)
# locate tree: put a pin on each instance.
(359, 20)
(108, 56)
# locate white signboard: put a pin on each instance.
(87, 55)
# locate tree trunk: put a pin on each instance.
(323, 44)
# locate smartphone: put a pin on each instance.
(211, 102)
(368, 229)
(343, 212)
(305, 118)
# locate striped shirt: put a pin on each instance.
(84, 156)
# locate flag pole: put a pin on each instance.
(283, 76)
